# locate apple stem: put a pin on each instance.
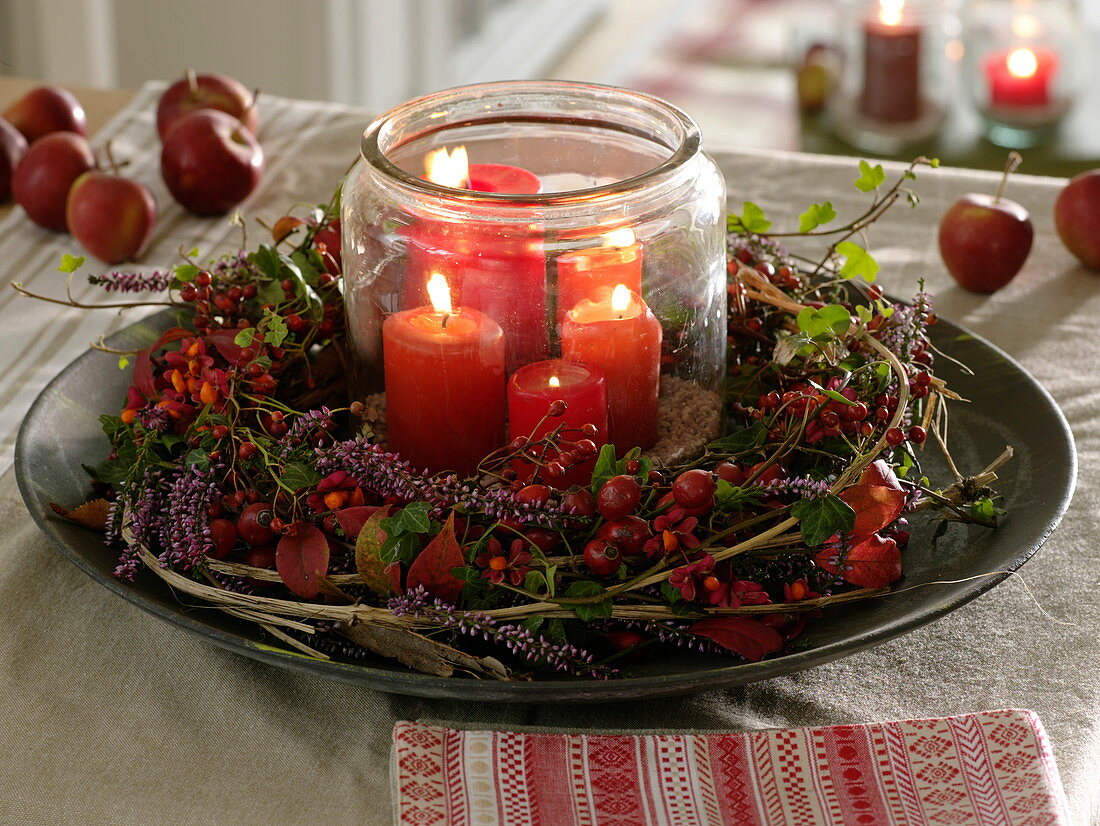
(1014, 160)
(252, 104)
(192, 81)
(111, 158)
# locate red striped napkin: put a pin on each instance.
(993, 768)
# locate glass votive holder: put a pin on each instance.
(496, 234)
(1022, 67)
(893, 90)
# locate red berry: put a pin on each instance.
(894, 436)
(917, 434)
(693, 488)
(223, 535)
(618, 497)
(633, 466)
(829, 420)
(589, 430)
(219, 431)
(542, 539)
(586, 448)
(602, 558)
(558, 408)
(732, 473)
(188, 293)
(628, 534)
(624, 640)
(578, 502)
(555, 471)
(855, 412)
(254, 524)
(532, 494)
(771, 473)
(247, 450)
(203, 279)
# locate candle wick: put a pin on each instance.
(446, 316)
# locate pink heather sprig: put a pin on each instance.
(234, 265)
(140, 506)
(521, 641)
(304, 426)
(132, 282)
(154, 419)
(388, 474)
(906, 327)
(804, 486)
(185, 536)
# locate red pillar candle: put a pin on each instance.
(534, 387)
(496, 268)
(619, 334)
(891, 66)
(444, 384)
(588, 273)
(1021, 77)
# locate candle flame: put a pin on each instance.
(889, 11)
(622, 237)
(1023, 63)
(554, 382)
(620, 298)
(439, 293)
(448, 168)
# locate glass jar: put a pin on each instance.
(893, 87)
(584, 225)
(1022, 67)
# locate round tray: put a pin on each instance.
(1007, 407)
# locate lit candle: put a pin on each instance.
(497, 268)
(534, 387)
(891, 65)
(619, 334)
(587, 273)
(1021, 77)
(444, 383)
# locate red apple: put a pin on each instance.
(196, 92)
(985, 239)
(210, 162)
(111, 216)
(1077, 217)
(47, 109)
(12, 148)
(43, 178)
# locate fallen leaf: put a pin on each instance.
(872, 563)
(748, 637)
(423, 654)
(876, 506)
(880, 473)
(92, 514)
(302, 559)
(433, 565)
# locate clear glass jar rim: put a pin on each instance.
(689, 145)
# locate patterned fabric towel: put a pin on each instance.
(992, 768)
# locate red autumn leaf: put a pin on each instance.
(872, 563)
(352, 520)
(381, 578)
(750, 638)
(225, 345)
(302, 559)
(876, 506)
(143, 361)
(432, 566)
(880, 473)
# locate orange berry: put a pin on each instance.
(193, 350)
(798, 591)
(711, 583)
(127, 415)
(178, 381)
(334, 500)
(671, 543)
(209, 393)
(498, 563)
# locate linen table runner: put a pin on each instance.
(991, 768)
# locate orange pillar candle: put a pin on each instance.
(445, 400)
(589, 273)
(618, 333)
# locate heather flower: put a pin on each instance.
(132, 282)
(303, 426)
(496, 566)
(154, 419)
(804, 486)
(185, 537)
(673, 531)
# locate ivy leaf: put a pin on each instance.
(298, 475)
(414, 517)
(870, 177)
(832, 319)
(590, 610)
(815, 216)
(751, 219)
(70, 263)
(184, 273)
(857, 262)
(605, 468)
(750, 638)
(244, 337)
(433, 566)
(818, 519)
(302, 559)
(198, 459)
(123, 362)
(275, 329)
(266, 260)
(742, 441)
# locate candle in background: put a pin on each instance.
(589, 272)
(496, 268)
(617, 333)
(531, 391)
(445, 398)
(891, 65)
(1021, 77)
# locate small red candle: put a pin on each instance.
(590, 272)
(444, 384)
(534, 387)
(891, 66)
(1021, 77)
(619, 334)
(497, 268)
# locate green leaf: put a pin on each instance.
(671, 594)
(71, 263)
(865, 315)
(533, 624)
(123, 362)
(983, 509)
(815, 216)
(266, 260)
(244, 337)
(198, 458)
(605, 468)
(414, 517)
(821, 518)
(184, 273)
(582, 589)
(870, 177)
(934, 163)
(751, 219)
(732, 497)
(534, 582)
(742, 441)
(275, 329)
(832, 320)
(858, 261)
(298, 475)
(837, 397)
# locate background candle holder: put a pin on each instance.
(575, 197)
(1022, 66)
(892, 91)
